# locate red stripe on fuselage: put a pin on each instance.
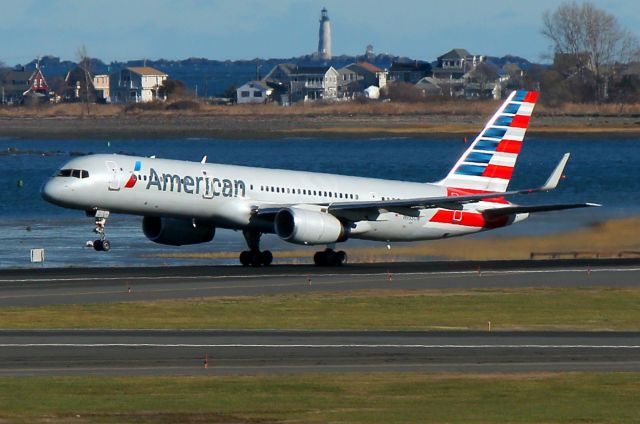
(467, 219)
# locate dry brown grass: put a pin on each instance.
(460, 107)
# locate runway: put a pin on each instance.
(39, 287)
(127, 352)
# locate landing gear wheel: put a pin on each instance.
(97, 245)
(245, 258)
(106, 245)
(266, 258)
(329, 257)
(249, 258)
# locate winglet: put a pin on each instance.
(204, 159)
(555, 176)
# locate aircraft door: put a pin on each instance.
(113, 175)
(208, 186)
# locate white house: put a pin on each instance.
(254, 92)
(137, 84)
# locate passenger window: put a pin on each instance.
(329, 194)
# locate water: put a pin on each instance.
(600, 170)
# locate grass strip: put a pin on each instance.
(336, 398)
(507, 309)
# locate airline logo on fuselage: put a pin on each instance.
(205, 185)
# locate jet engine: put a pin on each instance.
(176, 232)
(302, 226)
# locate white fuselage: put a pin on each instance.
(226, 196)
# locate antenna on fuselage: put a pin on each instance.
(204, 159)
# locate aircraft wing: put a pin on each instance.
(511, 210)
(411, 207)
(452, 202)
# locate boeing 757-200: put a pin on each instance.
(184, 202)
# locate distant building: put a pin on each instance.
(356, 77)
(306, 83)
(456, 63)
(76, 82)
(101, 85)
(324, 41)
(409, 72)
(137, 84)
(254, 92)
(430, 87)
(20, 86)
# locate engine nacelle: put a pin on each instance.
(303, 226)
(176, 232)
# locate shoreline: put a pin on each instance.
(178, 126)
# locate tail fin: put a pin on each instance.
(488, 163)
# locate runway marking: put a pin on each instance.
(323, 346)
(218, 277)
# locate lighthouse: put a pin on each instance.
(324, 42)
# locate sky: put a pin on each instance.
(120, 30)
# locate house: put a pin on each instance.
(430, 87)
(137, 84)
(410, 72)
(101, 85)
(76, 82)
(22, 86)
(306, 83)
(456, 63)
(356, 77)
(254, 92)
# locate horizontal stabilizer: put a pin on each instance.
(512, 210)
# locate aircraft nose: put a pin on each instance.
(51, 191)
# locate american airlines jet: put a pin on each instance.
(184, 202)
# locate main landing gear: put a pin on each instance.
(102, 244)
(330, 257)
(253, 256)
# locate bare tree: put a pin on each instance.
(593, 39)
(84, 63)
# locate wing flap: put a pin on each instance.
(512, 210)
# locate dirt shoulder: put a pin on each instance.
(273, 122)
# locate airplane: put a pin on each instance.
(184, 202)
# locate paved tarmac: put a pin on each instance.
(147, 352)
(38, 287)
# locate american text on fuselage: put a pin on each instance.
(206, 185)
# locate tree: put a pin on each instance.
(174, 88)
(592, 38)
(84, 63)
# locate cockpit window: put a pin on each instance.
(76, 173)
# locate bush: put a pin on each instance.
(143, 106)
(183, 105)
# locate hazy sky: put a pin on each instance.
(246, 29)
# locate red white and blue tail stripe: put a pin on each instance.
(488, 163)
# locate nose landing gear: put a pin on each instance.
(102, 244)
(253, 256)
